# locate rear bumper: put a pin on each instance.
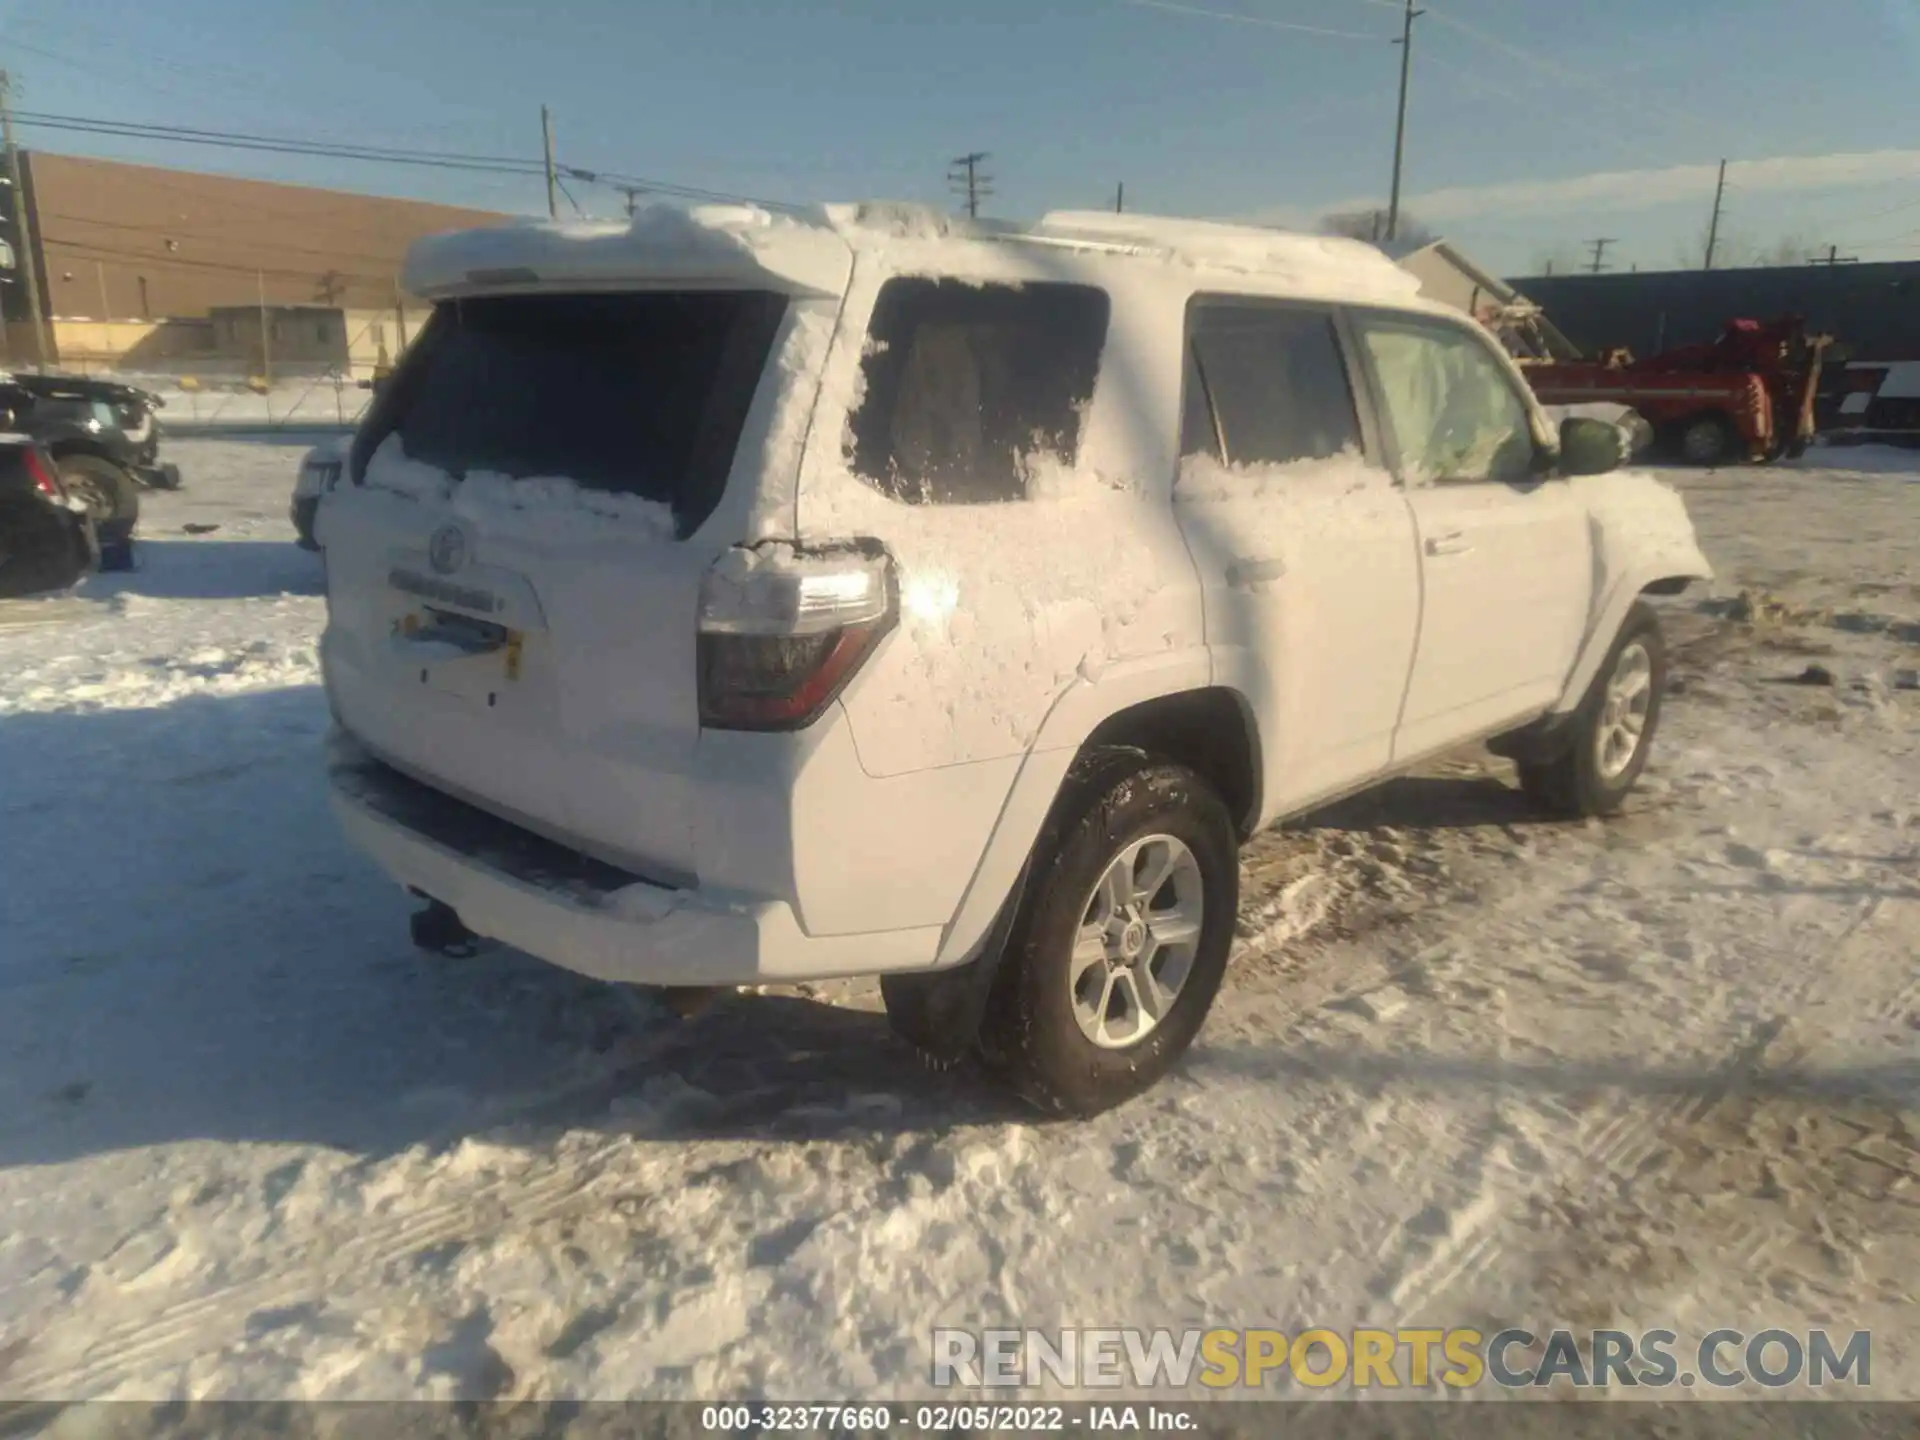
(580, 914)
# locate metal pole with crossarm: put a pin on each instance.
(1405, 42)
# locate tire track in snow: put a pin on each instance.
(1288, 908)
(351, 1248)
(1625, 1133)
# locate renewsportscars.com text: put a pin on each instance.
(1412, 1358)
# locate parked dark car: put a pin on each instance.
(47, 537)
(105, 439)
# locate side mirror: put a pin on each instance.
(1591, 447)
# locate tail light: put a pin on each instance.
(782, 631)
(44, 480)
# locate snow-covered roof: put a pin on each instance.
(811, 251)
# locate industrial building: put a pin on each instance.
(171, 271)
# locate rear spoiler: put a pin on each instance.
(711, 248)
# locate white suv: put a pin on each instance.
(725, 599)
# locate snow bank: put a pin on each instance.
(488, 496)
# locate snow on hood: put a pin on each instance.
(486, 495)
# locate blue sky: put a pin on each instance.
(1537, 125)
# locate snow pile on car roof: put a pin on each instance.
(727, 242)
(812, 248)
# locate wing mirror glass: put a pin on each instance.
(1591, 447)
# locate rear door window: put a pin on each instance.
(1276, 381)
(641, 394)
(967, 384)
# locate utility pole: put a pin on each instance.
(1599, 251)
(22, 228)
(1405, 42)
(1713, 225)
(969, 179)
(1833, 257)
(1120, 198)
(546, 136)
(266, 352)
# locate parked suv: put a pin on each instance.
(46, 536)
(725, 599)
(105, 439)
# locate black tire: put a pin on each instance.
(1706, 440)
(1030, 1035)
(1575, 784)
(110, 494)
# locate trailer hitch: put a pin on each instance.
(438, 928)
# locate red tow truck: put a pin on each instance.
(1747, 396)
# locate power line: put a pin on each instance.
(1260, 20)
(89, 250)
(234, 140)
(381, 154)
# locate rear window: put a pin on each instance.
(967, 384)
(640, 394)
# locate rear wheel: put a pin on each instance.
(112, 499)
(1121, 939)
(1707, 440)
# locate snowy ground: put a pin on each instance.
(1469, 1067)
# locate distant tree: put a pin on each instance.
(1372, 225)
(1560, 260)
(1731, 251)
(1790, 249)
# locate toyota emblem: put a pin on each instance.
(447, 551)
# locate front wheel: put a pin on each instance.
(1121, 939)
(1612, 731)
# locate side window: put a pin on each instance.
(1277, 381)
(968, 384)
(1453, 409)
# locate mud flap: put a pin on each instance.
(940, 1014)
(1540, 743)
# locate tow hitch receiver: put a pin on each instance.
(438, 928)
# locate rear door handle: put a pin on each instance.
(1242, 574)
(1453, 543)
